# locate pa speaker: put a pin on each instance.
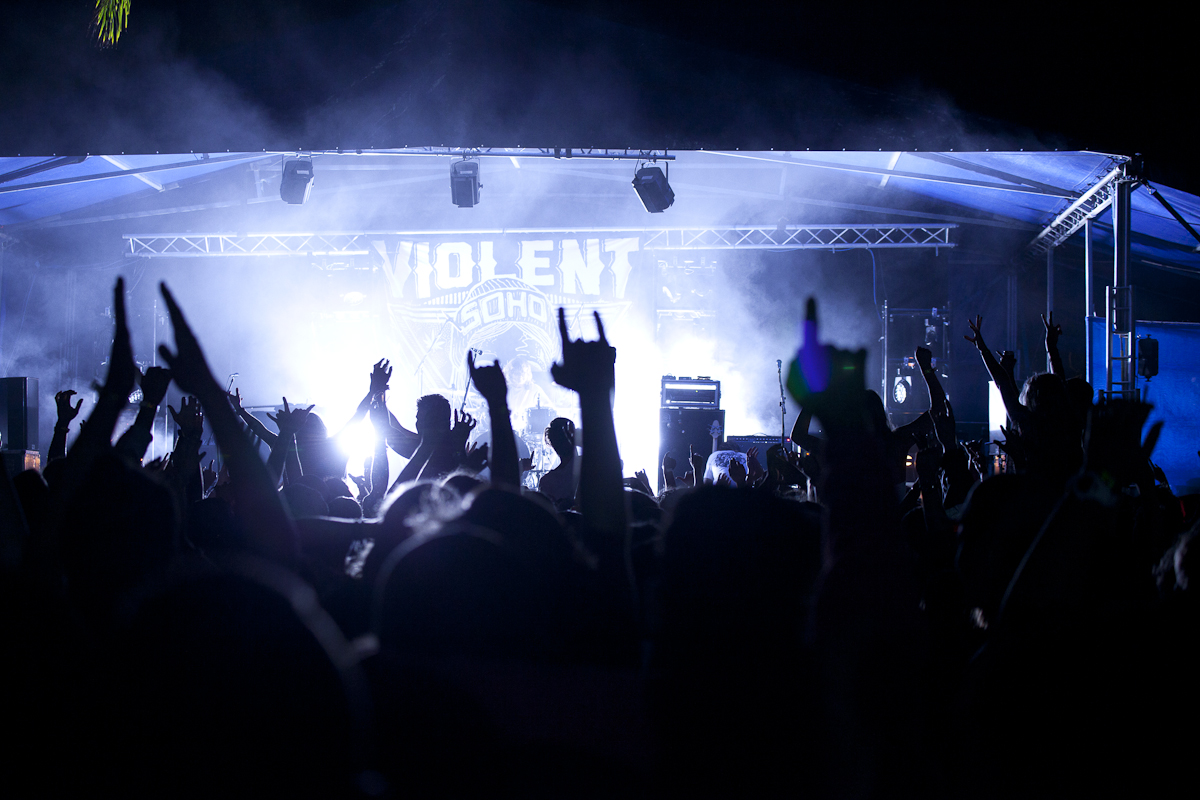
(19, 413)
(680, 428)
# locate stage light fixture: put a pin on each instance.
(297, 181)
(652, 187)
(464, 183)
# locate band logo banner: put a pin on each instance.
(500, 297)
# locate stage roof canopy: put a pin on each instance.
(408, 189)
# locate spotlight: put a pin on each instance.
(297, 181)
(652, 187)
(464, 183)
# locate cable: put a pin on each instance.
(874, 294)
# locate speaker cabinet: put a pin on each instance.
(19, 413)
(679, 428)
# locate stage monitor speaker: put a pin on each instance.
(19, 413)
(679, 428)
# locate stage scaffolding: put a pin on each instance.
(735, 237)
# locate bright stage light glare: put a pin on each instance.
(997, 414)
(358, 443)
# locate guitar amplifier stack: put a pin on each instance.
(19, 424)
(689, 408)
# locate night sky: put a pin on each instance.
(217, 75)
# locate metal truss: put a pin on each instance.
(208, 245)
(800, 237)
(1089, 205)
(624, 153)
(746, 237)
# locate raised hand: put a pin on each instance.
(644, 480)
(1008, 361)
(122, 372)
(488, 380)
(188, 365)
(66, 411)
(464, 423)
(258, 504)
(924, 358)
(755, 468)
(208, 476)
(290, 420)
(976, 336)
(476, 456)
(827, 379)
(587, 367)
(189, 417)
(698, 463)
(737, 473)
(668, 463)
(944, 427)
(1052, 331)
(154, 385)
(235, 398)
(381, 373)
(724, 480)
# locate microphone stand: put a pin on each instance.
(467, 390)
(421, 363)
(782, 406)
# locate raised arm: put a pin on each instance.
(381, 373)
(380, 473)
(184, 467)
(137, 438)
(1052, 333)
(1003, 380)
(589, 368)
(503, 459)
(95, 438)
(255, 424)
(268, 527)
(800, 434)
(66, 413)
(285, 459)
(400, 438)
(937, 395)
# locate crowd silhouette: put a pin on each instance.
(814, 628)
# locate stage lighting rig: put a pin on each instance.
(297, 181)
(653, 189)
(464, 183)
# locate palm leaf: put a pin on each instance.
(112, 17)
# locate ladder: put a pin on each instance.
(1119, 344)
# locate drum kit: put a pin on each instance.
(533, 435)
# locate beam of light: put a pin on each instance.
(357, 441)
(635, 410)
(997, 415)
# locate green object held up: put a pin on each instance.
(112, 17)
